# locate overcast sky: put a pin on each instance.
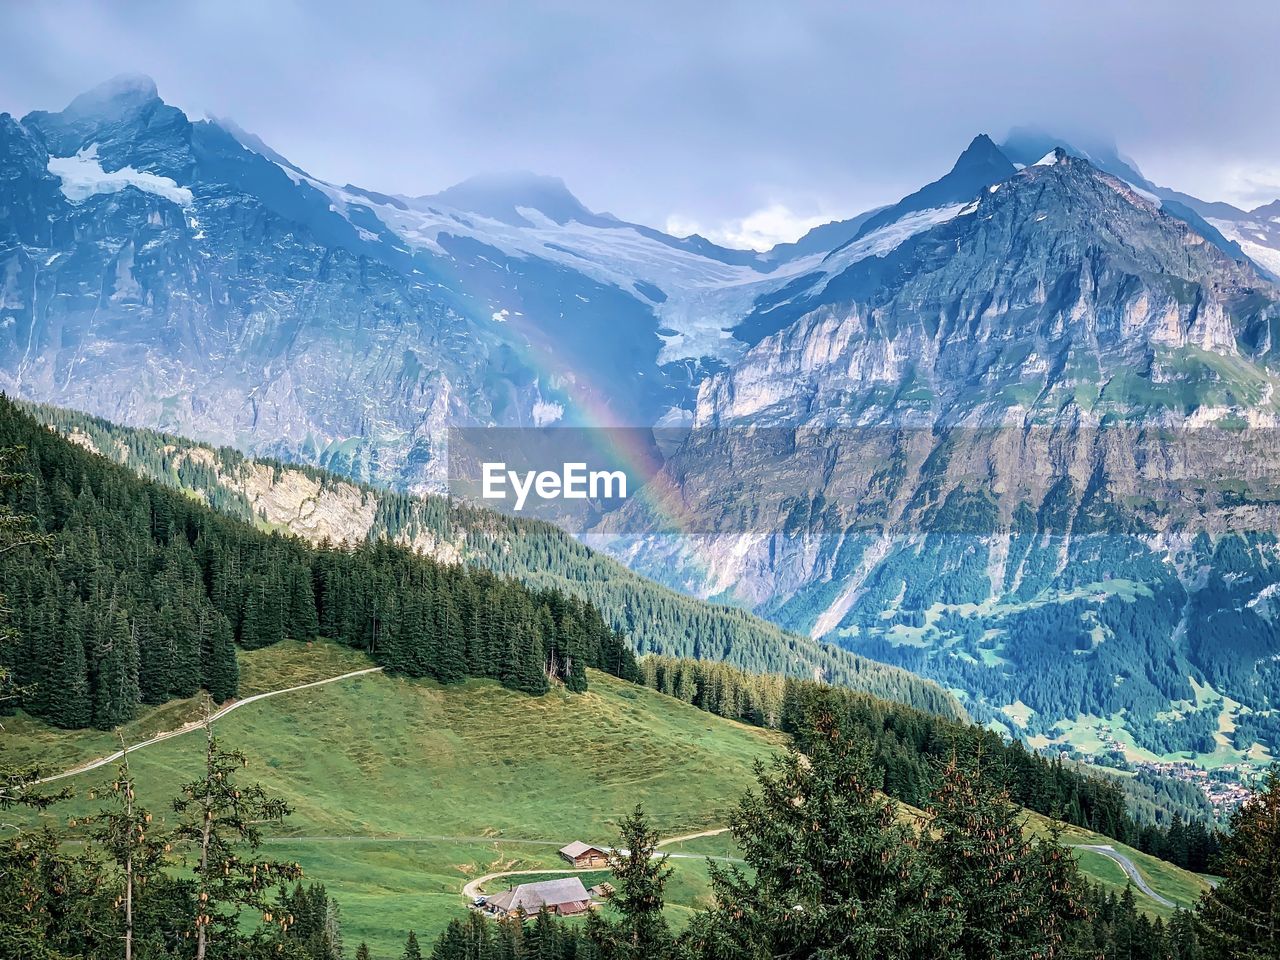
(745, 121)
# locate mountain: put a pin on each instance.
(183, 274)
(322, 508)
(1238, 233)
(981, 165)
(1027, 451)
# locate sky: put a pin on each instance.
(747, 122)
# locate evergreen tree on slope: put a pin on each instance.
(835, 872)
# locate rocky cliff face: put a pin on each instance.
(155, 270)
(1059, 278)
(1029, 451)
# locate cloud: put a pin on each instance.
(761, 230)
(1253, 186)
(709, 109)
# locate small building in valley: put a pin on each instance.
(563, 897)
(584, 855)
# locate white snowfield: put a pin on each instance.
(82, 177)
(1260, 240)
(704, 298)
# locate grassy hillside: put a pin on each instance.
(1181, 886)
(315, 505)
(404, 790)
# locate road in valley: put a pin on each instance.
(1128, 866)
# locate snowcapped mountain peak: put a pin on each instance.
(980, 165)
(501, 196)
(1054, 156)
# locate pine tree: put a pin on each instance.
(69, 704)
(1011, 900)
(115, 695)
(304, 623)
(158, 658)
(1184, 937)
(221, 820)
(545, 939)
(362, 951)
(222, 671)
(187, 649)
(834, 871)
(124, 833)
(640, 878)
(531, 676)
(411, 949)
(452, 665)
(1240, 918)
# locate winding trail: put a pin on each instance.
(1128, 866)
(692, 836)
(198, 724)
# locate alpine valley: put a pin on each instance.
(1016, 432)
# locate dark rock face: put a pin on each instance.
(1057, 267)
(233, 306)
(981, 165)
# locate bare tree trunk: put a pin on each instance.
(128, 888)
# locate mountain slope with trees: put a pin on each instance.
(319, 505)
(138, 594)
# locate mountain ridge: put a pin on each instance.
(181, 275)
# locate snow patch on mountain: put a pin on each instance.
(888, 238)
(546, 412)
(1260, 241)
(707, 297)
(82, 177)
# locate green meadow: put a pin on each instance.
(403, 791)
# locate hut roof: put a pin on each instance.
(532, 897)
(577, 849)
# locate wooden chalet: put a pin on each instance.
(584, 855)
(563, 897)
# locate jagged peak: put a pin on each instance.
(500, 195)
(1271, 209)
(980, 164)
(123, 92)
(981, 151)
